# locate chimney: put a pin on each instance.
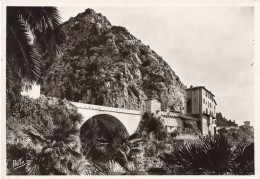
(191, 86)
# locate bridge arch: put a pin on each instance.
(129, 118)
(106, 120)
(99, 133)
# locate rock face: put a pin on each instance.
(106, 65)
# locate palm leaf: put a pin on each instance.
(244, 159)
(25, 57)
(24, 25)
(33, 136)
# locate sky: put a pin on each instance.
(205, 46)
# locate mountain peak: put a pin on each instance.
(107, 65)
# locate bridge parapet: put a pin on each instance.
(105, 108)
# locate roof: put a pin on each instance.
(188, 117)
(153, 98)
(197, 87)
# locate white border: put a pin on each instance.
(134, 3)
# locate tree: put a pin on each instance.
(122, 151)
(31, 32)
(210, 156)
(244, 159)
(151, 124)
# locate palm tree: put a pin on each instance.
(31, 32)
(110, 167)
(244, 159)
(47, 136)
(189, 159)
(220, 156)
(210, 156)
(122, 151)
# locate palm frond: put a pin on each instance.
(110, 168)
(189, 159)
(33, 167)
(45, 24)
(33, 136)
(24, 55)
(74, 153)
(219, 154)
(25, 25)
(244, 159)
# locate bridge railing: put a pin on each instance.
(105, 108)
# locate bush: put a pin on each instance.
(244, 159)
(152, 125)
(210, 156)
(45, 134)
(146, 63)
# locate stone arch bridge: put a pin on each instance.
(129, 118)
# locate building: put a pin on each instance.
(31, 90)
(199, 114)
(247, 124)
(173, 121)
(200, 103)
(198, 117)
(153, 106)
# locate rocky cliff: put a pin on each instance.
(106, 65)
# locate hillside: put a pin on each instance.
(237, 134)
(222, 121)
(106, 65)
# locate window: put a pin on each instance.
(189, 106)
(203, 100)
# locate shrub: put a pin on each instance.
(211, 156)
(44, 132)
(219, 155)
(244, 159)
(152, 125)
(146, 63)
(189, 159)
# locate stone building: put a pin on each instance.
(248, 126)
(31, 90)
(173, 121)
(199, 115)
(200, 103)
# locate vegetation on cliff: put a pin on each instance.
(106, 65)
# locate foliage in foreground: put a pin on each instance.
(44, 134)
(212, 156)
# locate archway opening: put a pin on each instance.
(101, 136)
